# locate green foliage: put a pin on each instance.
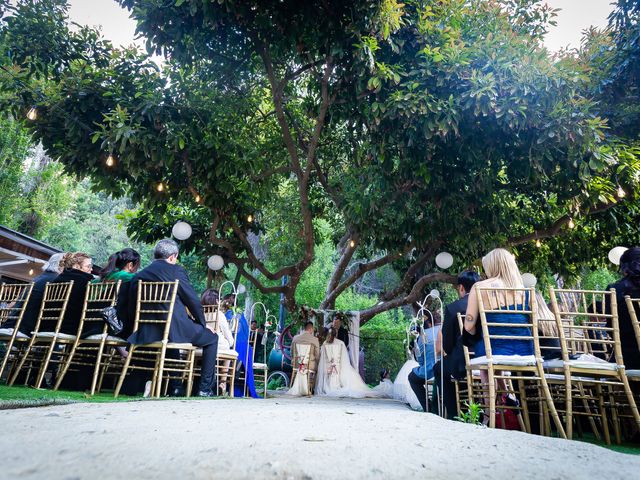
(382, 339)
(472, 415)
(598, 279)
(14, 147)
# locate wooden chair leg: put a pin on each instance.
(191, 364)
(123, 374)
(524, 405)
(65, 365)
(160, 370)
(603, 414)
(45, 363)
(23, 359)
(587, 409)
(550, 404)
(7, 353)
(492, 398)
(632, 402)
(96, 370)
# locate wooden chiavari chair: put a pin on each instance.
(301, 364)
(465, 388)
(525, 369)
(46, 335)
(13, 301)
(89, 347)
(154, 309)
(592, 366)
(633, 305)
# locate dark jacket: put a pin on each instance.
(183, 328)
(72, 315)
(32, 310)
(630, 349)
(452, 337)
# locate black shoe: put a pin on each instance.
(177, 392)
(206, 394)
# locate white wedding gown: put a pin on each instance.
(337, 378)
(402, 390)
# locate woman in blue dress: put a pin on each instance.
(245, 351)
(502, 272)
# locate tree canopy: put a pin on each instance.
(394, 130)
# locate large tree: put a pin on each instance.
(408, 128)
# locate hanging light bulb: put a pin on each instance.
(32, 114)
(352, 244)
(538, 243)
(198, 199)
(571, 223)
(250, 218)
(110, 161)
(621, 193)
(160, 187)
(31, 271)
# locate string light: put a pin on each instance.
(160, 187)
(110, 161)
(352, 244)
(31, 271)
(571, 223)
(32, 114)
(198, 199)
(250, 218)
(538, 243)
(621, 192)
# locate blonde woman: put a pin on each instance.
(502, 272)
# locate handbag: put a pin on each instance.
(114, 324)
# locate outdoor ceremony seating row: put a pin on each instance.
(586, 379)
(92, 346)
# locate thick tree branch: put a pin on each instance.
(557, 226)
(411, 272)
(413, 296)
(269, 173)
(344, 245)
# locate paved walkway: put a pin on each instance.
(282, 438)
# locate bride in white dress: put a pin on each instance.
(336, 376)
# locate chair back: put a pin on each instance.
(466, 351)
(507, 316)
(587, 321)
(334, 353)
(302, 357)
(13, 299)
(154, 305)
(211, 316)
(633, 305)
(53, 307)
(97, 297)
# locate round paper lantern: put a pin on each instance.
(241, 289)
(529, 280)
(435, 293)
(615, 253)
(181, 230)
(444, 260)
(215, 262)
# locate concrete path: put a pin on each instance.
(282, 438)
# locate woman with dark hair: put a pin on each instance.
(629, 284)
(122, 266)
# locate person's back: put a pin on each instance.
(77, 268)
(307, 338)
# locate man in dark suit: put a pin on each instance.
(453, 363)
(183, 329)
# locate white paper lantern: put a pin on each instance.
(241, 289)
(215, 262)
(444, 260)
(435, 293)
(529, 280)
(615, 253)
(181, 230)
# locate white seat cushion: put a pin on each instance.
(633, 374)
(9, 331)
(228, 353)
(585, 360)
(513, 360)
(260, 366)
(61, 336)
(109, 338)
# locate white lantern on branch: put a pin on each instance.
(215, 262)
(181, 230)
(615, 253)
(444, 260)
(529, 280)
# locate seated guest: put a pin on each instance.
(306, 337)
(77, 267)
(51, 270)
(428, 348)
(629, 284)
(453, 365)
(220, 326)
(183, 328)
(122, 266)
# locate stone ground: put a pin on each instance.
(308, 438)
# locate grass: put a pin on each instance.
(23, 397)
(629, 448)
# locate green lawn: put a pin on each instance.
(20, 397)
